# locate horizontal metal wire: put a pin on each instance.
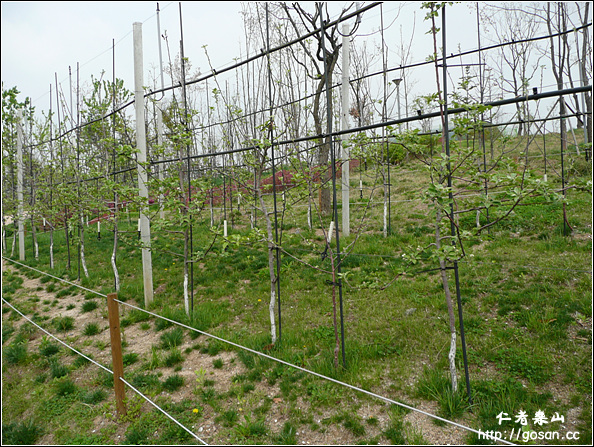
(56, 338)
(105, 369)
(321, 376)
(163, 411)
(313, 373)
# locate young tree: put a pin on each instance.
(10, 107)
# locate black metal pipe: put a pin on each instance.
(329, 136)
(451, 197)
(273, 160)
(190, 223)
(401, 121)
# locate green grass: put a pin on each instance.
(89, 306)
(65, 387)
(250, 429)
(287, 436)
(63, 324)
(526, 294)
(173, 338)
(21, 433)
(57, 369)
(47, 349)
(129, 358)
(174, 357)
(15, 353)
(173, 383)
(228, 418)
(91, 329)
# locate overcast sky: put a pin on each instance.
(42, 39)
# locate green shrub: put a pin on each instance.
(63, 324)
(89, 306)
(15, 353)
(91, 329)
(21, 433)
(173, 383)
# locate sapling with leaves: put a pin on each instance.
(182, 203)
(251, 181)
(10, 107)
(446, 202)
(107, 141)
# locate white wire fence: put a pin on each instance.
(482, 434)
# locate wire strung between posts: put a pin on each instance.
(105, 369)
(369, 393)
(162, 411)
(57, 339)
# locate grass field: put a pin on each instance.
(525, 287)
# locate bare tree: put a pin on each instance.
(516, 64)
(327, 50)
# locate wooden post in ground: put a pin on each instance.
(116, 352)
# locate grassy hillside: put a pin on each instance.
(525, 287)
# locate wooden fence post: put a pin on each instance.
(116, 352)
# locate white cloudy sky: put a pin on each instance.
(42, 39)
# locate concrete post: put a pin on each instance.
(145, 230)
(20, 210)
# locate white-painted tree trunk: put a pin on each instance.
(271, 311)
(452, 360)
(13, 244)
(51, 248)
(82, 248)
(34, 235)
(450, 305)
(186, 292)
(114, 266)
(271, 262)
